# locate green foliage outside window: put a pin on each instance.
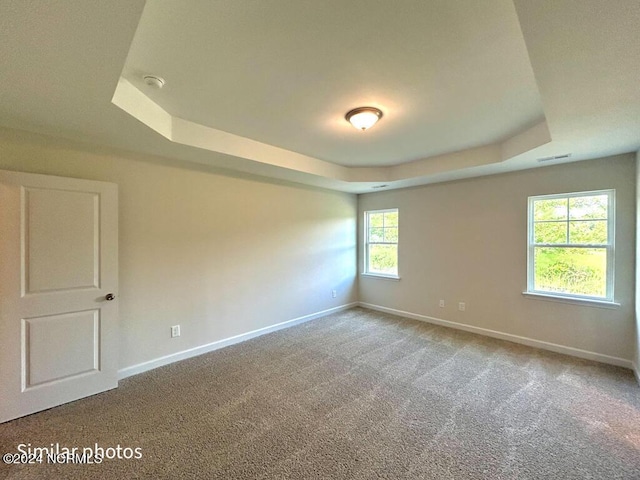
(581, 271)
(382, 242)
(561, 224)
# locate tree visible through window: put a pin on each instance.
(571, 244)
(381, 242)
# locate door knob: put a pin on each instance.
(109, 296)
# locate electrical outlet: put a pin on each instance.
(334, 293)
(441, 303)
(462, 306)
(175, 331)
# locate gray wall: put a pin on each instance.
(637, 311)
(466, 241)
(223, 255)
(219, 255)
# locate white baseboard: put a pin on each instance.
(209, 347)
(575, 352)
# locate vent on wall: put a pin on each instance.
(556, 157)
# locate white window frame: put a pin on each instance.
(366, 270)
(609, 246)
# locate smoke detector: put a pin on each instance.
(154, 81)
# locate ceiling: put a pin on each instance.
(467, 88)
(447, 75)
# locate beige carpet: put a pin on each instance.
(357, 395)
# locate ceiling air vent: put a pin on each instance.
(555, 157)
(380, 186)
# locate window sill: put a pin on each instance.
(587, 302)
(380, 275)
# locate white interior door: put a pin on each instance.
(58, 268)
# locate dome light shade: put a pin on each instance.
(363, 117)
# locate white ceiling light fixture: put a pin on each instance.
(363, 118)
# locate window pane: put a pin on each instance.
(383, 259)
(552, 209)
(550, 232)
(391, 235)
(594, 206)
(391, 219)
(581, 271)
(376, 234)
(587, 232)
(375, 219)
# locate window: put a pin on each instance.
(571, 245)
(381, 242)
